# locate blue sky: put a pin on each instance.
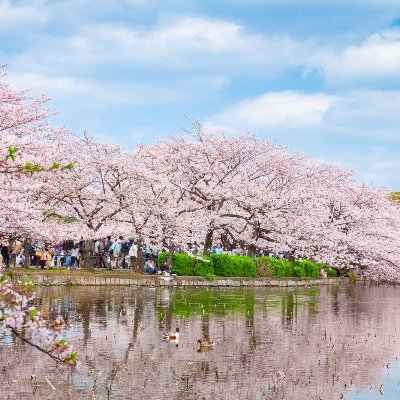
(321, 77)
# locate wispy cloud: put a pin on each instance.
(286, 109)
(373, 61)
(13, 16)
(102, 94)
(372, 114)
(186, 43)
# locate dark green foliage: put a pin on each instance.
(220, 264)
(184, 265)
(331, 272)
(311, 269)
(267, 266)
(202, 268)
(225, 265)
(299, 272)
(162, 256)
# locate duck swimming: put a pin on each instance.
(205, 343)
(172, 336)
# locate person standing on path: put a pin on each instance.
(75, 257)
(16, 250)
(133, 255)
(5, 253)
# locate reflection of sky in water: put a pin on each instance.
(390, 389)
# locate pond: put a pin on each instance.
(271, 343)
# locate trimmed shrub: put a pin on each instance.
(331, 272)
(265, 266)
(299, 272)
(310, 268)
(162, 256)
(222, 265)
(182, 264)
(225, 265)
(201, 267)
(185, 265)
(283, 267)
(245, 266)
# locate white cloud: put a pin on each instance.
(62, 87)
(12, 16)
(372, 114)
(378, 58)
(289, 109)
(185, 43)
(101, 94)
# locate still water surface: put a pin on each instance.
(317, 343)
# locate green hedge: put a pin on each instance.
(184, 265)
(226, 265)
(219, 264)
(267, 266)
(310, 268)
(331, 272)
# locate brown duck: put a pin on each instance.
(205, 344)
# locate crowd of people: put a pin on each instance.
(109, 253)
(119, 253)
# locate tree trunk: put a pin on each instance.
(208, 242)
(27, 255)
(86, 256)
(251, 251)
(140, 263)
(171, 251)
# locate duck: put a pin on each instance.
(172, 336)
(205, 343)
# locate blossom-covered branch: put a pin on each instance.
(19, 316)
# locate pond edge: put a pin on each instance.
(73, 278)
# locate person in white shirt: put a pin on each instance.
(96, 246)
(133, 253)
(75, 257)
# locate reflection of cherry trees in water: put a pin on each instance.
(271, 343)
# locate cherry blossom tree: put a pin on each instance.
(26, 138)
(28, 143)
(210, 172)
(245, 189)
(201, 186)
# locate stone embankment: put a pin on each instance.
(130, 279)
